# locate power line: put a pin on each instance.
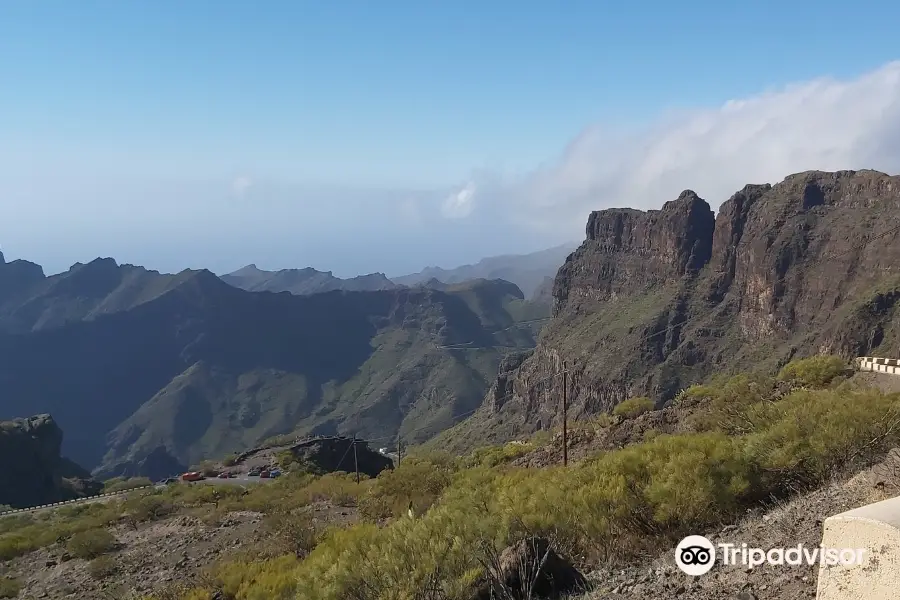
(640, 340)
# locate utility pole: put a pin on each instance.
(398, 450)
(355, 460)
(565, 414)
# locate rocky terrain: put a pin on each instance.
(172, 553)
(304, 281)
(654, 301)
(149, 373)
(33, 471)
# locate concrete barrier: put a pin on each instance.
(876, 529)
(877, 364)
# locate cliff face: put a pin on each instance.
(32, 471)
(655, 301)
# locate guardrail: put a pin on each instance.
(72, 501)
(877, 364)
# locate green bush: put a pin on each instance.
(813, 372)
(415, 481)
(492, 456)
(230, 461)
(91, 543)
(292, 532)
(207, 467)
(102, 567)
(633, 407)
(37, 531)
(120, 484)
(9, 588)
(149, 508)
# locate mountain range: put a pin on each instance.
(528, 271)
(149, 372)
(533, 273)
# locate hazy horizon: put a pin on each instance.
(363, 138)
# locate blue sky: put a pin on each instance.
(215, 134)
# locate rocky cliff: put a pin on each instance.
(32, 471)
(654, 301)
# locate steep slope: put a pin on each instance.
(150, 372)
(527, 271)
(32, 472)
(654, 301)
(304, 281)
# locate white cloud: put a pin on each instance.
(240, 185)
(459, 204)
(824, 124)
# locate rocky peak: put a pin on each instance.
(628, 249)
(31, 468)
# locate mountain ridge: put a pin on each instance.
(527, 271)
(654, 301)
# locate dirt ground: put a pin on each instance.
(156, 555)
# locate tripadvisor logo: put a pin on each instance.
(696, 555)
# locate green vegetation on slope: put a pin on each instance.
(745, 440)
(755, 445)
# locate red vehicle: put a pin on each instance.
(192, 476)
(224, 475)
(264, 474)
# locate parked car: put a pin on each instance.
(192, 476)
(254, 473)
(224, 475)
(264, 474)
(275, 473)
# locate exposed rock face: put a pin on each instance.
(32, 471)
(629, 250)
(330, 454)
(655, 301)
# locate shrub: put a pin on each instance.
(9, 588)
(230, 461)
(101, 567)
(207, 467)
(813, 372)
(148, 508)
(120, 484)
(492, 456)
(419, 482)
(286, 460)
(292, 532)
(91, 543)
(633, 407)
